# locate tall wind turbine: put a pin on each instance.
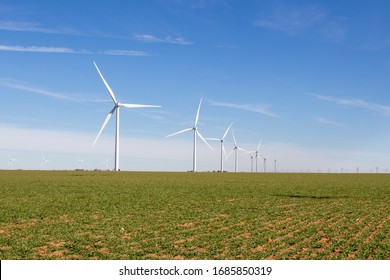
(196, 133)
(223, 152)
(117, 105)
(236, 148)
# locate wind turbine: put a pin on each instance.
(79, 163)
(236, 148)
(251, 155)
(256, 153)
(10, 162)
(196, 133)
(117, 105)
(223, 152)
(44, 162)
(106, 163)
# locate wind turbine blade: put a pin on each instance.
(104, 125)
(227, 130)
(213, 139)
(204, 140)
(234, 139)
(224, 151)
(230, 153)
(197, 113)
(106, 84)
(243, 150)
(181, 131)
(258, 147)
(138, 106)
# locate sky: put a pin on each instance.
(310, 79)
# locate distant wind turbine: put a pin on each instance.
(105, 163)
(117, 105)
(10, 162)
(256, 153)
(79, 163)
(223, 152)
(236, 148)
(44, 162)
(251, 155)
(196, 133)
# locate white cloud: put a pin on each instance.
(18, 85)
(261, 109)
(26, 27)
(168, 39)
(326, 121)
(357, 103)
(125, 53)
(38, 49)
(69, 50)
(293, 20)
(297, 20)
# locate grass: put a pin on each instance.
(143, 215)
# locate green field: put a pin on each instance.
(144, 215)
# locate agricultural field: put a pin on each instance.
(151, 215)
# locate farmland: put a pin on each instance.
(151, 215)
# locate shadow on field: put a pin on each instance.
(311, 196)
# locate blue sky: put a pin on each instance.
(309, 78)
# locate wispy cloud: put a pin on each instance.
(326, 121)
(26, 27)
(18, 85)
(168, 39)
(38, 49)
(124, 53)
(18, 26)
(292, 20)
(356, 103)
(69, 50)
(297, 20)
(261, 109)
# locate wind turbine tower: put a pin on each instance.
(10, 162)
(235, 149)
(257, 152)
(117, 105)
(44, 162)
(223, 152)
